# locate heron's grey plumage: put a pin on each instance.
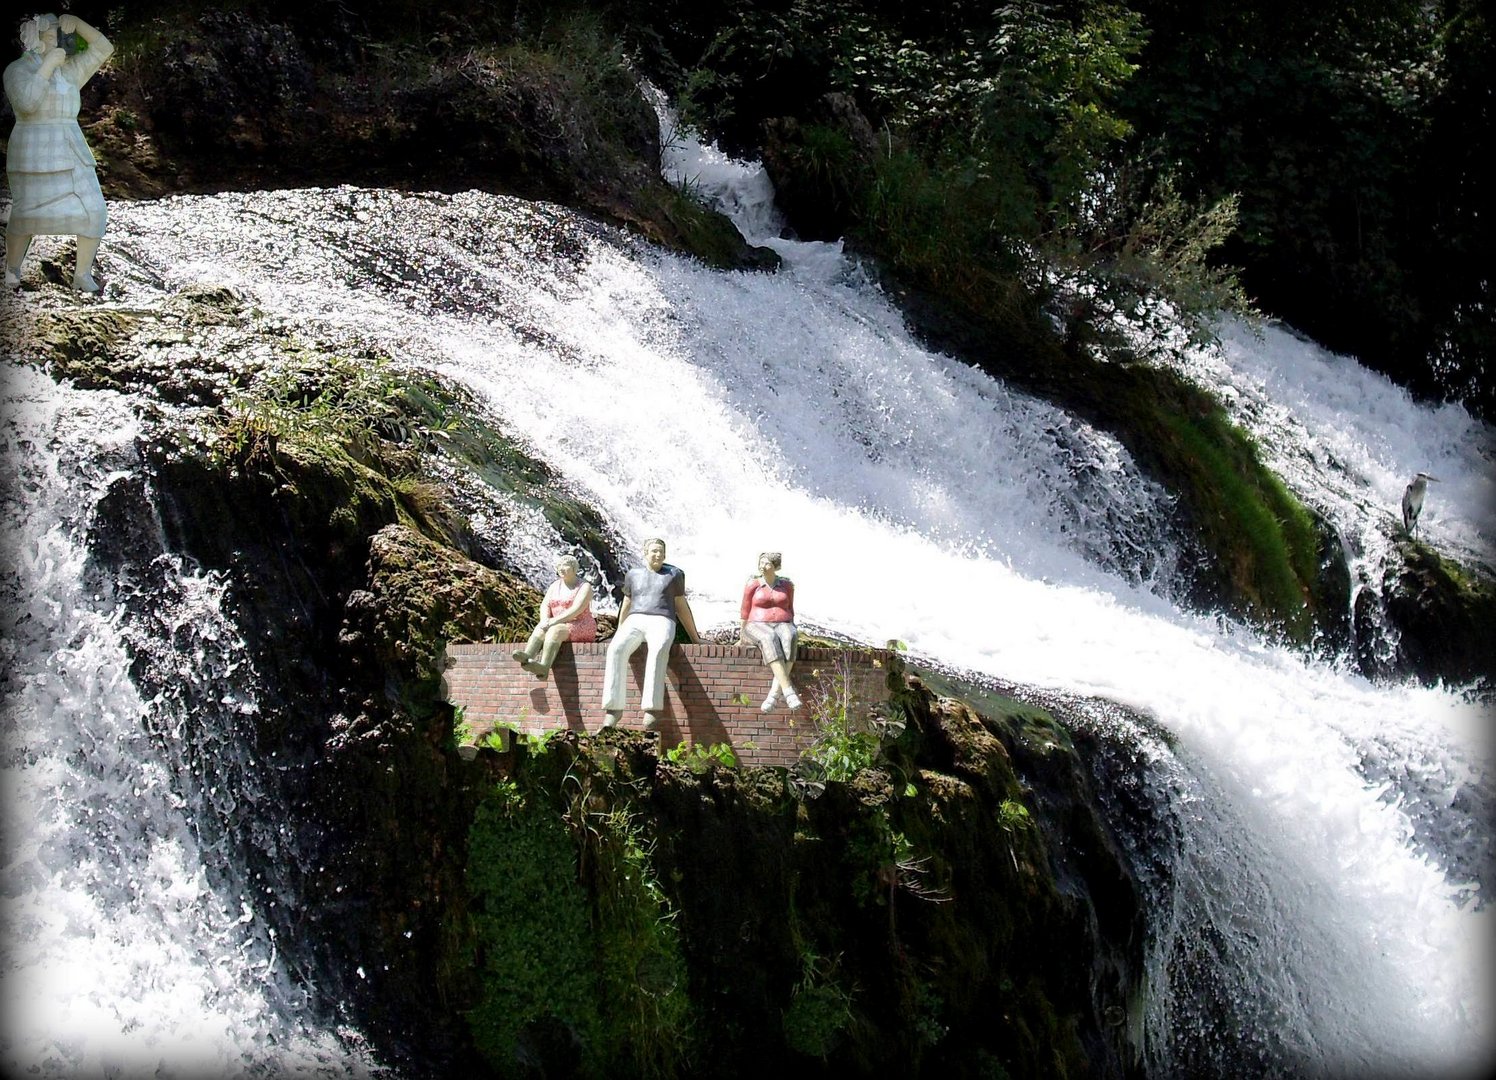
(1412, 501)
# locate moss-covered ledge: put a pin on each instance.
(629, 913)
(1442, 619)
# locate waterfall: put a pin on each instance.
(131, 943)
(1312, 867)
(1347, 441)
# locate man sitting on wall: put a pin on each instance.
(654, 598)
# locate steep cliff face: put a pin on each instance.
(344, 578)
(931, 915)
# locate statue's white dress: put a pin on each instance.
(54, 187)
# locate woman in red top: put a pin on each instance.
(565, 615)
(767, 619)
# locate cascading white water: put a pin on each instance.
(1346, 440)
(916, 499)
(1350, 440)
(130, 948)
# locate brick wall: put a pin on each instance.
(704, 694)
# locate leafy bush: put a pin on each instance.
(698, 758)
(843, 745)
(1005, 178)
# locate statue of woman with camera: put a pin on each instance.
(54, 186)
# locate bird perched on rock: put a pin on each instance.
(1412, 504)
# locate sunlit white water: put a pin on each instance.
(1351, 439)
(1286, 756)
(126, 950)
(1348, 441)
(913, 499)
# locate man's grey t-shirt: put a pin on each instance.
(654, 594)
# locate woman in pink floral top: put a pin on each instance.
(565, 615)
(767, 619)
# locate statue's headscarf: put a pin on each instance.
(31, 30)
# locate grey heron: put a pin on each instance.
(1412, 503)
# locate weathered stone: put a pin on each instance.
(1444, 618)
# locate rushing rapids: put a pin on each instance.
(1313, 847)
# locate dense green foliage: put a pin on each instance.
(1354, 135)
(531, 917)
(1276, 533)
(574, 941)
(987, 170)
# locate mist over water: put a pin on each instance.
(1294, 900)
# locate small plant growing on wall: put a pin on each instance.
(820, 1010)
(1013, 819)
(462, 731)
(698, 758)
(843, 744)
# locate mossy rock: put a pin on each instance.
(1444, 616)
(672, 218)
(80, 346)
(420, 595)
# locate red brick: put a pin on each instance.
(702, 687)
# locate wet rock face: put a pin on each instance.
(419, 595)
(919, 895)
(112, 350)
(342, 618)
(1444, 622)
(332, 796)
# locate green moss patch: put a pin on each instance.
(575, 942)
(1267, 540)
(1263, 546)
